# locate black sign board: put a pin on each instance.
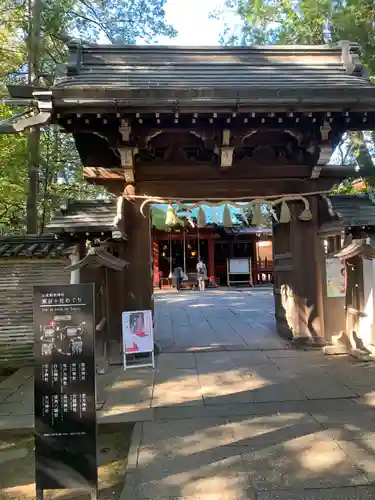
(65, 407)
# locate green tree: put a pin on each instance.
(305, 22)
(59, 168)
(289, 22)
(12, 52)
(60, 177)
(13, 179)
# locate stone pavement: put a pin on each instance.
(280, 424)
(250, 418)
(231, 412)
(219, 319)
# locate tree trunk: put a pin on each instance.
(34, 134)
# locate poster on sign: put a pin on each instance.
(335, 277)
(137, 335)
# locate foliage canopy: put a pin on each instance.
(60, 170)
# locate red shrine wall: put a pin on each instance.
(215, 249)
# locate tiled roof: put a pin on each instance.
(85, 216)
(352, 210)
(100, 257)
(33, 246)
(358, 247)
(286, 74)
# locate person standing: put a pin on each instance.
(201, 274)
(160, 279)
(178, 274)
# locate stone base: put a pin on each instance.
(335, 349)
(308, 342)
(361, 355)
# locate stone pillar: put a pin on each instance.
(211, 257)
(308, 264)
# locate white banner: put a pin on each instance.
(137, 332)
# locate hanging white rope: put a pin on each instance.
(241, 203)
(198, 243)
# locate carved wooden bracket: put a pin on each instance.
(226, 157)
(325, 152)
(127, 163)
(125, 130)
(226, 137)
(226, 152)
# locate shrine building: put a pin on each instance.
(192, 125)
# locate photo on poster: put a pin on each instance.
(137, 331)
(65, 339)
(335, 277)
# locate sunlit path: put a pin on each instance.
(216, 320)
(231, 411)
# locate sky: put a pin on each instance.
(192, 21)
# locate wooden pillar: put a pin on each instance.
(308, 272)
(155, 254)
(211, 257)
(331, 244)
(254, 260)
(138, 276)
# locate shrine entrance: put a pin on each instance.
(258, 124)
(298, 258)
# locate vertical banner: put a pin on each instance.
(138, 334)
(64, 379)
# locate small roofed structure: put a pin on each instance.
(26, 261)
(358, 259)
(346, 230)
(99, 257)
(96, 230)
(347, 212)
(357, 248)
(90, 217)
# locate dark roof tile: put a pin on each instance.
(85, 216)
(352, 210)
(33, 246)
(202, 72)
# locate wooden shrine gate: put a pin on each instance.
(218, 123)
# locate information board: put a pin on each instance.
(239, 272)
(64, 378)
(137, 335)
(239, 266)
